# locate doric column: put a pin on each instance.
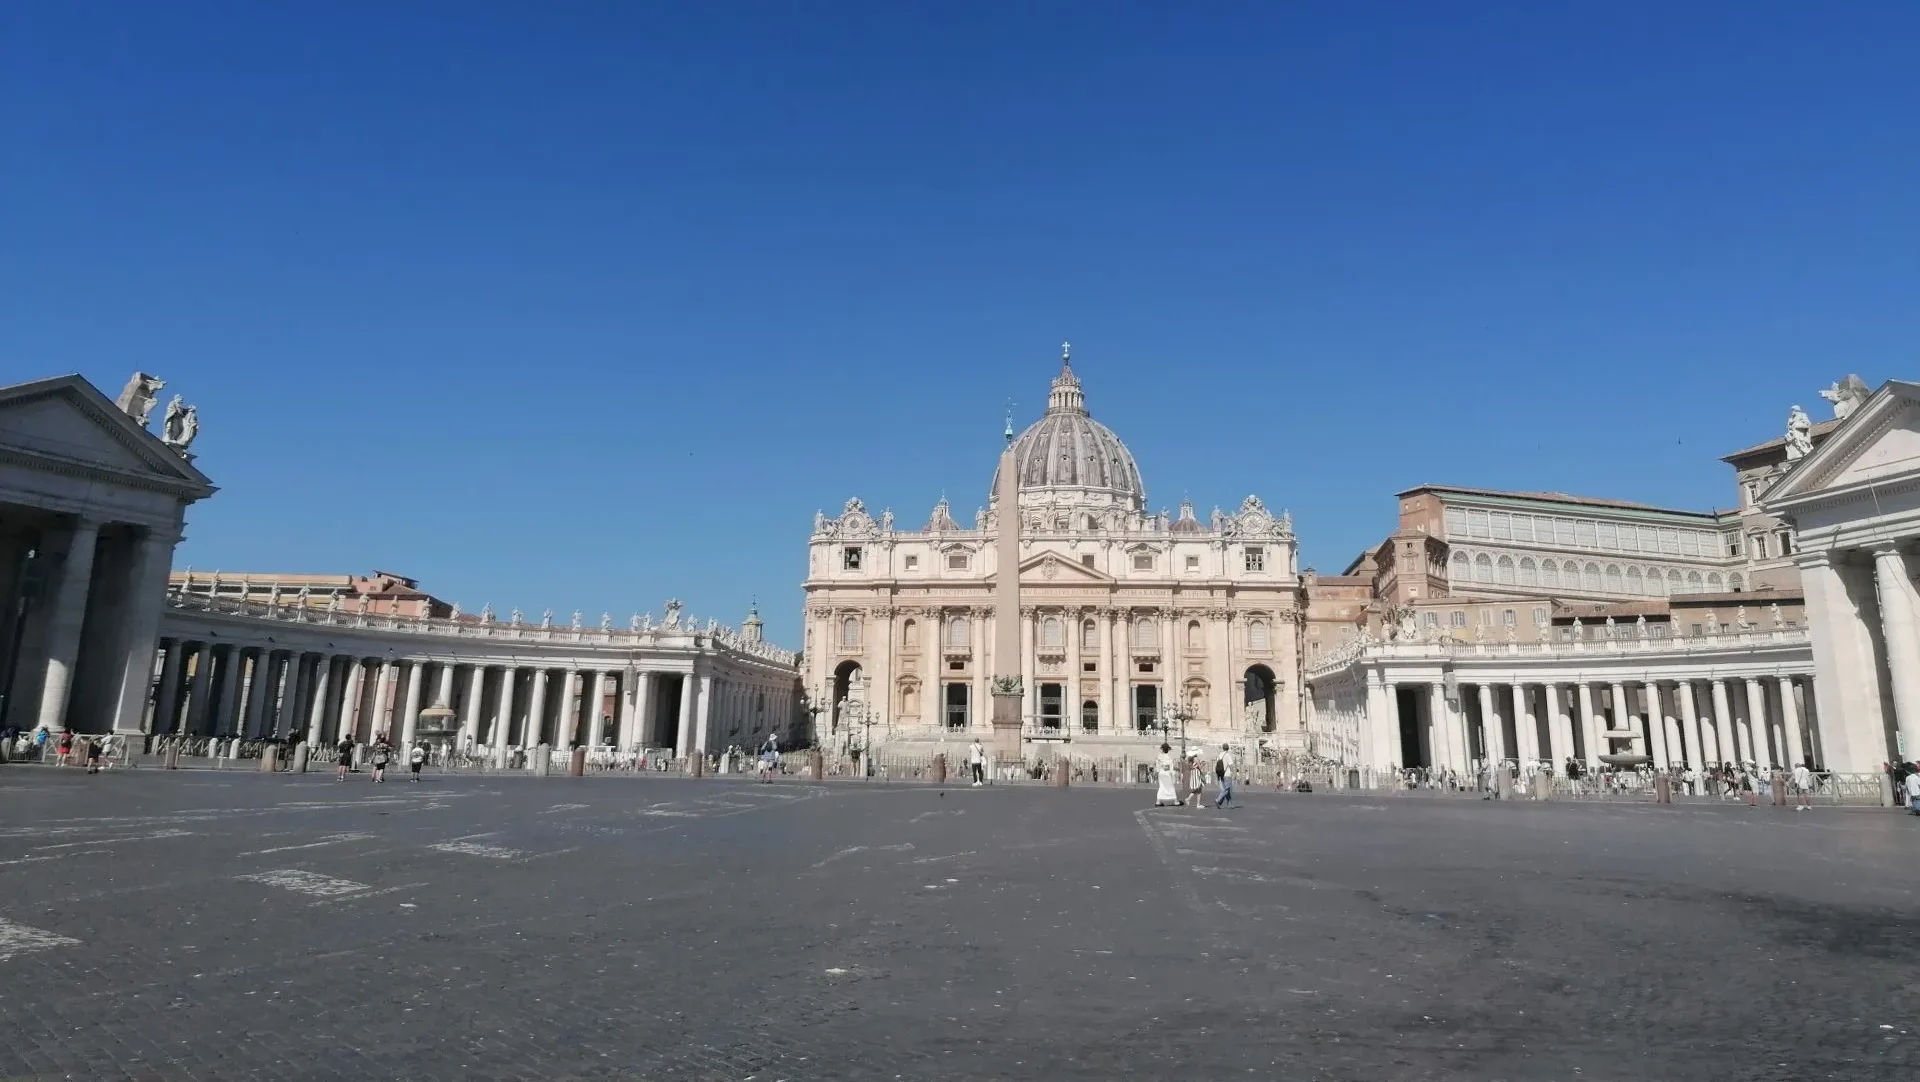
(683, 730)
(1690, 724)
(382, 692)
(569, 710)
(1526, 736)
(1380, 725)
(1029, 666)
(146, 596)
(293, 707)
(1790, 721)
(639, 708)
(1440, 735)
(194, 713)
(410, 709)
(166, 707)
(503, 707)
(65, 620)
(1070, 687)
(537, 710)
(476, 690)
(1656, 726)
(1119, 712)
(1898, 605)
(227, 714)
(701, 711)
(1589, 726)
(259, 689)
(1757, 723)
(597, 725)
(1622, 718)
(443, 688)
(317, 716)
(350, 700)
(1724, 746)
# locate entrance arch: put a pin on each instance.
(849, 683)
(1261, 686)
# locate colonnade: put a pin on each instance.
(1764, 720)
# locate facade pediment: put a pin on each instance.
(64, 422)
(1880, 442)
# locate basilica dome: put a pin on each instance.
(1069, 454)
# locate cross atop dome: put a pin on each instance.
(1066, 353)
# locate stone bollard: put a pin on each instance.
(1779, 789)
(542, 761)
(1886, 790)
(577, 766)
(172, 761)
(300, 759)
(696, 764)
(1543, 785)
(1503, 784)
(816, 765)
(940, 769)
(1062, 772)
(269, 759)
(1662, 789)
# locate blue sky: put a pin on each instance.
(588, 305)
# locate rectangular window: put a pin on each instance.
(1146, 706)
(1086, 559)
(958, 561)
(1459, 619)
(1670, 542)
(1089, 666)
(1523, 527)
(1786, 543)
(1629, 539)
(1089, 636)
(1690, 544)
(1563, 531)
(1193, 563)
(956, 706)
(1506, 618)
(1584, 534)
(1502, 526)
(1143, 561)
(913, 563)
(1539, 618)
(850, 558)
(1482, 527)
(1486, 617)
(1758, 546)
(1657, 631)
(1052, 706)
(1609, 536)
(1146, 667)
(1256, 558)
(1456, 522)
(1432, 619)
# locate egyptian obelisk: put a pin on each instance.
(1008, 693)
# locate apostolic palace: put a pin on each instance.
(1061, 617)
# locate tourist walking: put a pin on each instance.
(343, 758)
(977, 759)
(1803, 786)
(93, 756)
(65, 747)
(768, 761)
(382, 751)
(416, 759)
(1165, 795)
(1196, 781)
(1913, 790)
(1223, 773)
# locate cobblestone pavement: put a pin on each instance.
(236, 926)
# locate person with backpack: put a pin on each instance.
(416, 759)
(382, 751)
(1223, 774)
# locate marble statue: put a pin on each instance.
(646, 621)
(486, 613)
(1579, 630)
(606, 621)
(712, 625)
(886, 520)
(1799, 434)
(360, 604)
(452, 614)
(173, 424)
(1479, 633)
(1740, 620)
(546, 618)
(633, 624)
(1640, 627)
(1713, 623)
(1779, 620)
(137, 397)
(333, 602)
(980, 518)
(1511, 636)
(189, 428)
(1846, 395)
(819, 522)
(673, 613)
(514, 617)
(577, 617)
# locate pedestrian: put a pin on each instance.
(1803, 785)
(343, 757)
(1196, 780)
(416, 759)
(1165, 795)
(768, 761)
(977, 759)
(1913, 790)
(381, 752)
(93, 756)
(1223, 773)
(65, 747)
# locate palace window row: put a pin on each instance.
(1590, 577)
(1471, 523)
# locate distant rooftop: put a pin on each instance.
(1555, 497)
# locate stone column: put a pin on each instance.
(293, 707)
(194, 712)
(350, 701)
(443, 688)
(65, 619)
(1119, 712)
(639, 709)
(1559, 728)
(563, 727)
(1690, 723)
(476, 690)
(503, 706)
(1526, 732)
(1723, 724)
(700, 726)
(410, 709)
(166, 708)
(322, 670)
(1757, 724)
(1070, 687)
(1489, 727)
(146, 596)
(259, 689)
(683, 732)
(1590, 726)
(536, 728)
(1898, 607)
(1441, 736)
(1380, 725)
(382, 691)
(1790, 721)
(597, 725)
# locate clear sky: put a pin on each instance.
(588, 305)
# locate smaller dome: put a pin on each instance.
(1186, 523)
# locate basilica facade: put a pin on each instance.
(1133, 625)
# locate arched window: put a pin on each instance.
(1549, 573)
(910, 699)
(1462, 570)
(1615, 584)
(1483, 568)
(1714, 583)
(850, 631)
(1145, 635)
(1090, 716)
(910, 635)
(1634, 583)
(1736, 583)
(1506, 570)
(1529, 574)
(1052, 633)
(1673, 581)
(957, 631)
(1693, 582)
(1089, 636)
(1591, 576)
(1257, 636)
(1656, 582)
(1195, 637)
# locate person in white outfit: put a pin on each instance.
(977, 759)
(1166, 795)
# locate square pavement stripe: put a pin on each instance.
(475, 849)
(19, 939)
(305, 882)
